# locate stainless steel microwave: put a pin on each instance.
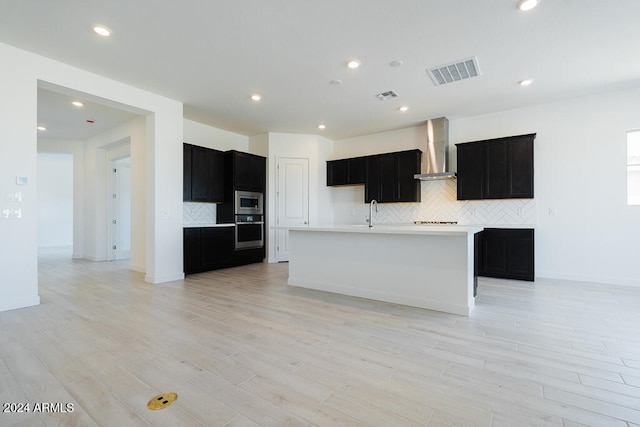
(248, 203)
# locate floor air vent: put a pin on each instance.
(386, 95)
(459, 70)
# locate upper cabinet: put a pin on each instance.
(346, 171)
(246, 171)
(498, 168)
(203, 174)
(389, 177)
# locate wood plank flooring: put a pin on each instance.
(241, 348)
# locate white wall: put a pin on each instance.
(55, 200)
(75, 148)
(584, 228)
(18, 119)
(383, 142)
(207, 136)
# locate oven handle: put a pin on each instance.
(253, 222)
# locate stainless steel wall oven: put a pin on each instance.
(249, 218)
(249, 231)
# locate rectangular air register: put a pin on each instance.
(387, 95)
(456, 71)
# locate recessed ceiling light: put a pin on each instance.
(353, 64)
(396, 63)
(403, 108)
(256, 97)
(525, 5)
(77, 104)
(322, 127)
(525, 82)
(102, 30)
(336, 82)
(42, 128)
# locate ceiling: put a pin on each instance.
(212, 55)
(63, 120)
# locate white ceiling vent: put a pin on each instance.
(386, 95)
(459, 70)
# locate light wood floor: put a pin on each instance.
(241, 348)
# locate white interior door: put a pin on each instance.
(120, 227)
(292, 200)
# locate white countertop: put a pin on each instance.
(442, 230)
(206, 225)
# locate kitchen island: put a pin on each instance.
(422, 266)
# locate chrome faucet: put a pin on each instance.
(373, 202)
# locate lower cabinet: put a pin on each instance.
(211, 248)
(216, 247)
(207, 248)
(507, 253)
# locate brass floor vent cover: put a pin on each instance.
(161, 401)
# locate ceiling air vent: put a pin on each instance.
(459, 70)
(386, 95)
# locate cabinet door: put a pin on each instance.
(520, 259)
(191, 250)
(248, 171)
(200, 174)
(258, 172)
(407, 165)
(372, 179)
(387, 178)
(216, 246)
(494, 253)
(470, 160)
(520, 169)
(207, 175)
(355, 170)
(216, 176)
(496, 161)
(336, 172)
(186, 172)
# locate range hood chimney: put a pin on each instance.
(435, 156)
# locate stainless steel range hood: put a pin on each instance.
(435, 156)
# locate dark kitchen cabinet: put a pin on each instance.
(507, 253)
(186, 172)
(245, 171)
(470, 170)
(407, 165)
(389, 177)
(242, 172)
(207, 248)
(346, 171)
(191, 250)
(216, 247)
(498, 168)
(203, 174)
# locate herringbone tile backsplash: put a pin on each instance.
(439, 204)
(198, 213)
